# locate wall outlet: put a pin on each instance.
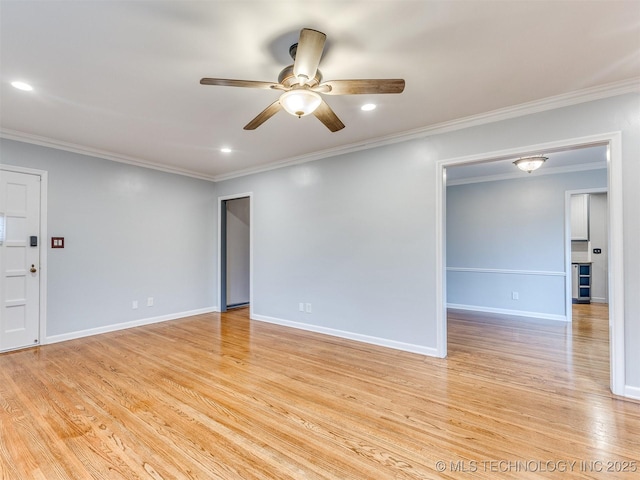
(149, 301)
(515, 296)
(307, 308)
(134, 304)
(301, 307)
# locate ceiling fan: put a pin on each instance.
(301, 84)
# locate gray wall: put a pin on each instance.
(494, 228)
(130, 233)
(329, 233)
(238, 253)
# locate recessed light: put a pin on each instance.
(22, 86)
(368, 107)
(225, 150)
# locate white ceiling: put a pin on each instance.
(122, 77)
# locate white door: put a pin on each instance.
(19, 260)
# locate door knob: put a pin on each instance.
(33, 268)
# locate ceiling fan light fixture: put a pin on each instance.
(529, 164)
(300, 102)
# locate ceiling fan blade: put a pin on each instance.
(328, 117)
(263, 116)
(308, 53)
(355, 87)
(225, 82)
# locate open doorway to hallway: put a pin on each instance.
(235, 252)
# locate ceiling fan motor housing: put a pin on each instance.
(288, 79)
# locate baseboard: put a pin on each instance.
(383, 342)
(122, 326)
(504, 311)
(598, 300)
(632, 392)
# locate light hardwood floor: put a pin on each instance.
(220, 396)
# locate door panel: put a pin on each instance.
(20, 292)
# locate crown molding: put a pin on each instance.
(631, 85)
(518, 175)
(94, 152)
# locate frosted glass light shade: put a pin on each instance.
(300, 102)
(529, 164)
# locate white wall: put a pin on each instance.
(238, 253)
(130, 233)
(508, 236)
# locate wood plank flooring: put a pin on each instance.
(221, 397)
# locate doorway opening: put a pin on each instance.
(612, 142)
(586, 247)
(234, 251)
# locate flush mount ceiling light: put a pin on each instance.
(22, 86)
(529, 164)
(367, 107)
(300, 101)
